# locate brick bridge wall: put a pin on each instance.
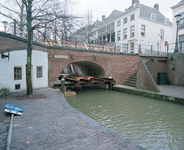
(113, 64)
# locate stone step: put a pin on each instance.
(128, 84)
(131, 81)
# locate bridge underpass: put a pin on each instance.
(83, 73)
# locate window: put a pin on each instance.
(125, 20)
(119, 23)
(132, 30)
(107, 28)
(118, 48)
(125, 48)
(103, 30)
(118, 35)
(112, 26)
(125, 33)
(166, 21)
(100, 40)
(94, 33)
(99, 32)
(181, 25)
(39, 72)
(142, 30)
(132, 47)
(153, 17)
(132, 17)
(181, 43)
(113, 37)
(17, 73)
(162, 34)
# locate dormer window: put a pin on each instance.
(166, 21)
(153, 17)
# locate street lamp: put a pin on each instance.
(177, 22)
(5, 25)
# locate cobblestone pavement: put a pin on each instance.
(50, 123)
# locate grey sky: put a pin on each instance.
(105, 7)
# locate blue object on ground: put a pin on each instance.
(13, 107)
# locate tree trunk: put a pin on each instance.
(29, 48)
(21, 18)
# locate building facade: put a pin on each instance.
(106, 31)
(178, 9)
(13, 74)
(142, 29)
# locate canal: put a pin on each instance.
(151, 123)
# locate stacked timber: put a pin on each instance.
(78, 81)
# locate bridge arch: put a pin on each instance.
(88, 68)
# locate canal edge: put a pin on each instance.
(109, 132)
(158, 96)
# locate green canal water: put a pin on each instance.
(151, 123)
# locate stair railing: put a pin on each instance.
(128, 70)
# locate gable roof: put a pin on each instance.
(146, 11)
(112, 16)
(181, 2)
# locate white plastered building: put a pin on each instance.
(141, 29)
(13, 70)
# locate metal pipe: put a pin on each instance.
(10, 133)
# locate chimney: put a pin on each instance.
(156, 6)
(135, 2)
(103, 18)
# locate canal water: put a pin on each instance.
(151, 123)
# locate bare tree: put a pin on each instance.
(17, 13)
(38, 15)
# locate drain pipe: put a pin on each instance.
(10, 133)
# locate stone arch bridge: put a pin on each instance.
(93, 63)
(90, 62)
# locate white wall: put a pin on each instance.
(126, 26)
(152, 33)
(19, 59)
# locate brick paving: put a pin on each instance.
(50, 123)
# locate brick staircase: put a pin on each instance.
(149, 65)
(132, 80)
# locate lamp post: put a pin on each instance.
(177, 22)
(5, 25)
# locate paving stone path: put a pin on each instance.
(50, 123)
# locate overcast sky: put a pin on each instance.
(105, 7)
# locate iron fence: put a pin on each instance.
(73, 42)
